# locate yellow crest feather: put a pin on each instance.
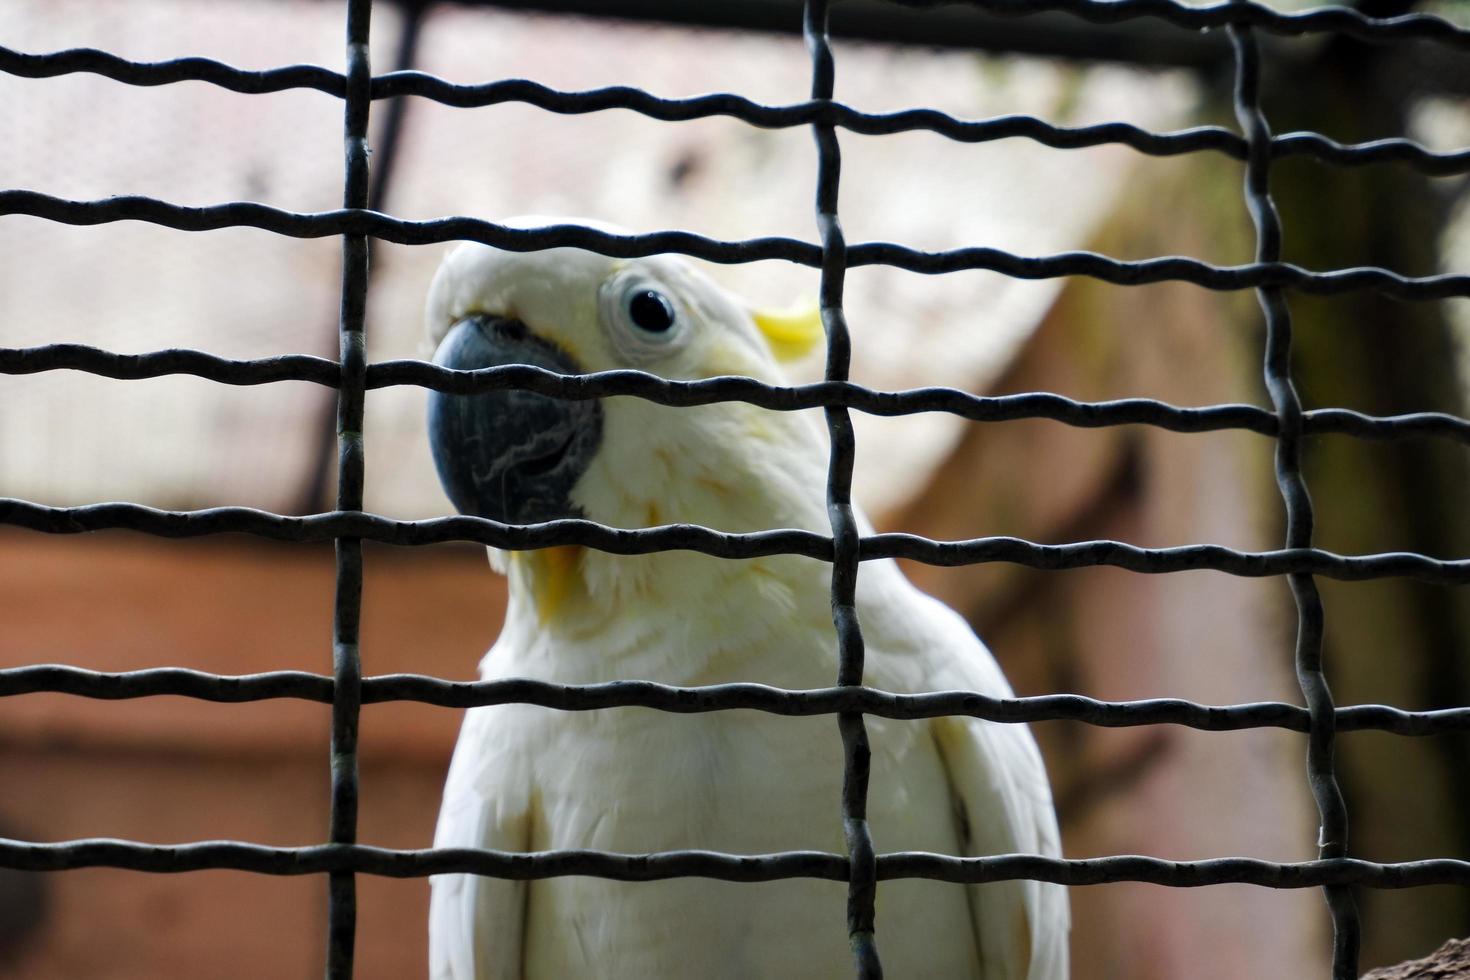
(791, 332)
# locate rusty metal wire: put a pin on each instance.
(346, 690)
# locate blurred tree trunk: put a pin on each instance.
(1214, 638)
(1394, 641)
(1166, 791)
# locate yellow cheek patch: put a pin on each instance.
(571, 350)
(791, 332)
(557, 574)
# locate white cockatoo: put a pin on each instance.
(634, 780)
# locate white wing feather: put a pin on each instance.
(1001, 796)
(1003, 808)
(476, 924)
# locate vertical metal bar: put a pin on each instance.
(1333, 836)
(309, 497)
(346, 661)
(862, 861)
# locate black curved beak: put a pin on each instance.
(512, 456)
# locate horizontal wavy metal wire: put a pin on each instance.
(322, 224)
(640, 384)
(1337, 20)
(303, 686)
(720, 544)
(382, 861)
(523, 91)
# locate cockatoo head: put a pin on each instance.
(520, 457)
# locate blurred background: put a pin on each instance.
(171, 770)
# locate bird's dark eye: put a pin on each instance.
(644, 320)
(650, 310)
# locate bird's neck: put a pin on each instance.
(676, 616)
(577, 615)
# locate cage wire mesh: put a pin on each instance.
(717, 175)
(863, 868)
